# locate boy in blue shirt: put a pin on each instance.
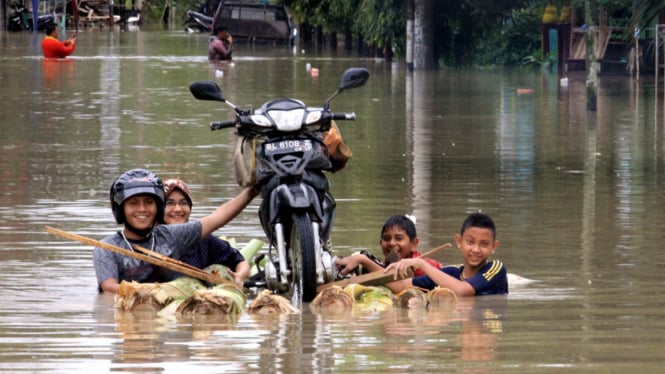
(477, 276)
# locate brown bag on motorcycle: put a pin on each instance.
(244, 161)
(338, 152)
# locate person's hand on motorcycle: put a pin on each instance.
(346, 265)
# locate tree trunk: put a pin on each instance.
(591, 63)
(319, 39)
(409, 35)
(332, 42)
(348, 40)
(423, 35)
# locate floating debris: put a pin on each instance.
(268, 303)
(221, 299)
(441, 298)
(131, 295)
(412, 298)
(332, 300)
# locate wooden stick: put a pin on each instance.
(160, 256)
(436, 250)
(378, 277)
(148, 256)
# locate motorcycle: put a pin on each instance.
(197, 21)
(21, 19)
(297, 211)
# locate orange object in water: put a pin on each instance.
(524, 91)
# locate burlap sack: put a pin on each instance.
(244, 161)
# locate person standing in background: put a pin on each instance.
(221, 44)
(54, 48)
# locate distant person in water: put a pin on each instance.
(221, 44)
(54, 48)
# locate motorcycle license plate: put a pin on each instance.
(287, 146)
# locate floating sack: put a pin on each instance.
(131, 295)
(442, 298)
(268, 303)
(412, 298)
(332, 300)
(221, 299)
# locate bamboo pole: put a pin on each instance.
(145, 255)
(378, 277)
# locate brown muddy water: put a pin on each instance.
(577, 198)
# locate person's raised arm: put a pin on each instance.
(226, 212)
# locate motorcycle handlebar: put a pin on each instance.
(222, 124)
(344, 116)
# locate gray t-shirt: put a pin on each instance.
(170, 240)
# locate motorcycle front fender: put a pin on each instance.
(293, 197)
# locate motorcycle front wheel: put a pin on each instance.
(303, 260)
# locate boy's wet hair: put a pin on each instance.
(480, 220)
(49, 28)
(402, 222)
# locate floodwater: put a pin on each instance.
(577, 198)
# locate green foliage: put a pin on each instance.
(481, 32)
(517, 41)
(381, 22)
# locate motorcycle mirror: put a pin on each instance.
(353, 77)
(206, 90)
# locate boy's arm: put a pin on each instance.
(461, 288)
(226, 212)
(347, 264)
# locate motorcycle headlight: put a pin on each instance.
(289, 120)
